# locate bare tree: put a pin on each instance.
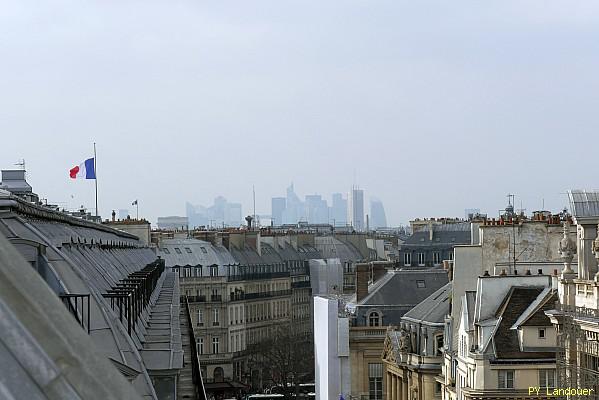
(285, 357)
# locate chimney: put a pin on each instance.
(503, 273)
(486, 273)
(379, 270)
(362, 275)
(430, 231)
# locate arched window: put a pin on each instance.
(374, 319)
(219, 374)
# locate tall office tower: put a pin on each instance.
(294, 209)
(378, 218)
(355, 209)
(277, 207)
(338, 213)
(317, 210)
(232, 214)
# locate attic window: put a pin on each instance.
(166, 251)
(178, 250)
(420, 284)
(187, 249)
(541, 333)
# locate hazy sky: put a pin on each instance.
(436, 106)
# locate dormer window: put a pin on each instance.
(374, 319)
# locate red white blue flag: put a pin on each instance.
(85, 170)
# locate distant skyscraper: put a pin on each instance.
(294, 211)
(221, 213)
(277, 207)
(378, 219)
(355, 209)
(317, 210)
(338, 210)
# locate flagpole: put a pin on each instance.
(96, 178)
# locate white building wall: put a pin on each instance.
(331, 350)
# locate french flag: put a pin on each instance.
(86, 170)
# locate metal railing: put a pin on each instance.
(579, 312)
(78, 306)
(196, 372)
(260, 295)
(131, 295)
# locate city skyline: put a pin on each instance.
(320, 95)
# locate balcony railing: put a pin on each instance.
(300, 284)
(260, 295)
(78, 306)
(196, 299)
(367, 332)
(579, 312)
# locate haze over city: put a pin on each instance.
(431, 107)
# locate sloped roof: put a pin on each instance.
(507, 345)
(434, 308)
(584, 203)
(331, 247)
(71, 264)
(406, 287)
(39, 334)
(193, 252)
(449, 234)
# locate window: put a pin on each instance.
(546, 378)
(177, 250)
(204, 250)
(200, 345)
(200, 318)
(214, 345)
(420, 284)
(420, 259)
(374, 319)
(505, 379)
(215, 319)
(166, 251)
(436, 258)
(375, 381)
(541, 333)
(451, 255)
(407, 259)
(439, 344)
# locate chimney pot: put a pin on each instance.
(503, 272)
(486, 273)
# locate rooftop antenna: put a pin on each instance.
(254, 196)
(21, 164)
